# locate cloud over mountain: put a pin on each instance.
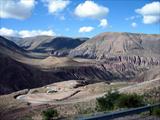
(20, 9)
(25, 33)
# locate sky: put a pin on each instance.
(78, 18)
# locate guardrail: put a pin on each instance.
(123, 113)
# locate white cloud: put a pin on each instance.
(86, 29)
(55, 6)
(151, 19)
(134, 24)
(132, 17)
(91, 10)
(103, 23)
(17, 9)
(25, 33)
(8, 32)
(150, 13)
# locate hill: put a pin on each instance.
(113, 44)
(19, 70)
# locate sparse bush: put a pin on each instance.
(130, 101)
(87, 111)
(84, 109)
(49, 114)
(152, 96)
(108, 101)
(113, 100)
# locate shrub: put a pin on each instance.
(49, 114)
(107, 102)
(115, 99)
(130, 101)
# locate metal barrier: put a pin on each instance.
(123, 113)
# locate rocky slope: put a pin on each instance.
(16, 75)
(113, 44)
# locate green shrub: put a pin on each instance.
(113, 100)
(130, 101)
(49, 114)
(108, 101)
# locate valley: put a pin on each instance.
(69, 74)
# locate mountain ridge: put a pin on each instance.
(110, 43)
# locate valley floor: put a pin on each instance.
(70, 98)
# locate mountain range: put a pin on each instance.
(42, 60)
(59, 46)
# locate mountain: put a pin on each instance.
(9, 48)
(19, 70)
(31, 43)
(58, 46)
(15, 75)
(13, 38)
(10, 45)
(113, 44)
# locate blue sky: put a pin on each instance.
(63, 19)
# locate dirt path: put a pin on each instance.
(141, 87)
